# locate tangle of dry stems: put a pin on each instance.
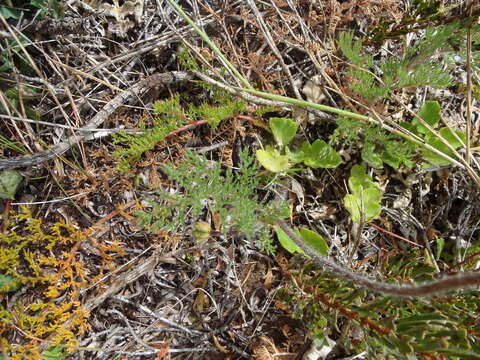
(460, 281)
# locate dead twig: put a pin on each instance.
(153, 81)
(461, 281)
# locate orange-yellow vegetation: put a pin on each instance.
(45, 310)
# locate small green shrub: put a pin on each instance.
(229, 195)
(214, 114)
(417, 66)
(168, 119)
(378, 146)
(170, 115)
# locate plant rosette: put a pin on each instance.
(280, 158)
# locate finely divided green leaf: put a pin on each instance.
(54, 353)
(371, 157)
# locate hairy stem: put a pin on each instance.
(461, 281)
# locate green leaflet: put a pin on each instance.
(309, 237)
(9, 182)
(283, 130)
(287, 243)
(363, 203)
(319, 154)
(54, 353)
(378, 147)
(430, 113)
(272, 160)
(314, 240)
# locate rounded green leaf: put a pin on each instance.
(371, 201)
(320, 155)
(450, 137)
(295, 156)
(359, 179)
(8, 13)
(410, 127)
(9, 182)
(363, 203)
(363, 206)
(283, 130)
(439, 145)
(353, 207)
(272, 160)
(314, 240)
(430, 113)
(286, 242)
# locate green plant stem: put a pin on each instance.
(304, 103)
(357, 229)
(461, 281)
(468, 154)
(403, 133)
(211, 44)
(462, 162)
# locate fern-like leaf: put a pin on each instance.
(228, 194)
